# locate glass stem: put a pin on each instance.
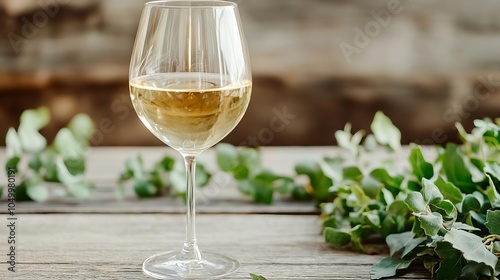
(190, 250)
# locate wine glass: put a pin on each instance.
(190, 84)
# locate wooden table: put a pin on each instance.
(108, 239)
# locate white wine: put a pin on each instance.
(190, 112)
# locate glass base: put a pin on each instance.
(168, 266)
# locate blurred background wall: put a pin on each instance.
(317, 65)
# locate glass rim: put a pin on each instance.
(193, 4)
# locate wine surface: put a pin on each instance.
(190, 112)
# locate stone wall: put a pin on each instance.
(317, 65)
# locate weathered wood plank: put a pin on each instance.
(105, 202)
(280, 247)
(105, 164)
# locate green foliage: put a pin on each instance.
(452, 200)
(442, 211)
(257, 277)
(37, 163)
(472, 247)
(493, 221)
(388, 267)
(421, 168)
(251, 177)
(166, 177)
(349, 141)
(385, 132)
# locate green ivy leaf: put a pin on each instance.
(472, 270)
(471, 246)
(337, 237)
(250, 158)
(388, 267)
(357, 234)
(431, 223)
(227, 156)
(352, 173)
(167, 163)
(490, 132)
(462, 226)
(31, 190)
(257, 277)
(31, 139)
(76, 185)
(37, 192)
(430, 265)
(240, 172)
(401, 244)
(385, 132)
(456, 171)
(449, 208)
(35, 163)
(21, 192)
(357, 197)
(67, 145)
(49, 168)
(13, 163)
(370, 143)
(415, 202)
(263, 193)
(430, 192)
(31, 122)
(348, 141)
(285, 185)
(471, 203)
(421, 168)
(13, 144)
(493, 169)
(492, 193)
(493, 221)
(144, 188)
(450, 266)
(372, 187)
(75, 166)
(392, 183)
(332, 168)
(496, 250)
(372, 218)
(82, 127)
(395, 220)
(318, 180)
(301, 194)
(449, 191)
(36, 118)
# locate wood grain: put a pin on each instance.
(104, 238)
(105, 164)
(86, 246)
